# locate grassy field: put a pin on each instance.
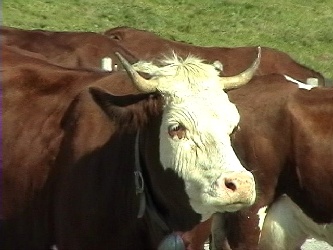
(304, 29)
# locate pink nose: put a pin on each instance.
(231, 184)
(239, 186)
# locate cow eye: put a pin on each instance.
(174, 127)
(177, 130)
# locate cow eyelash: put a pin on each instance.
(177, 130)
(174, 127)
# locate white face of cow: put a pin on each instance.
(197, 121)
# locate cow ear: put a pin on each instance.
(116, 107)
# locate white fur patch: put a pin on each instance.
(106, 64)
(301, 85)
(312, 81)
(262, 215)
(287, 227)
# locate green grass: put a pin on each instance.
(302, 28)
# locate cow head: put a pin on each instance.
(195, 130)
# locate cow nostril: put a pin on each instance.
(230, 184)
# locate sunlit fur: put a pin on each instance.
(286, 227)
(194, 98)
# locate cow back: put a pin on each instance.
(68, 49)
(148, 45)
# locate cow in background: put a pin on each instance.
(73, 139)
(66, 49)
(147, 45)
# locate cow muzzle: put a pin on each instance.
(237, 189)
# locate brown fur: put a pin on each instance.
(67, 49)
(284, 139)
(68, 138)
(147, 45)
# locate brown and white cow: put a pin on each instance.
(67, 49)
(284, 139)
(148, 45)
(73, 140)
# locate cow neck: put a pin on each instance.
(146, 201)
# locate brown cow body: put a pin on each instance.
(59, 97)
(30, 84)
(284, 138)
(147, 45)
(67, 49)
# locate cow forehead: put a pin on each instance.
(192, 92)
(187, 76)
(203, 116)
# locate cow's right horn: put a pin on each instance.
(142, 84)
(230, 82)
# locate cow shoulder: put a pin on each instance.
(311, 119)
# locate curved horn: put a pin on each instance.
(243, 78)
(142, 84)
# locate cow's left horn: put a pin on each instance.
(229, 82)
(140, 83)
